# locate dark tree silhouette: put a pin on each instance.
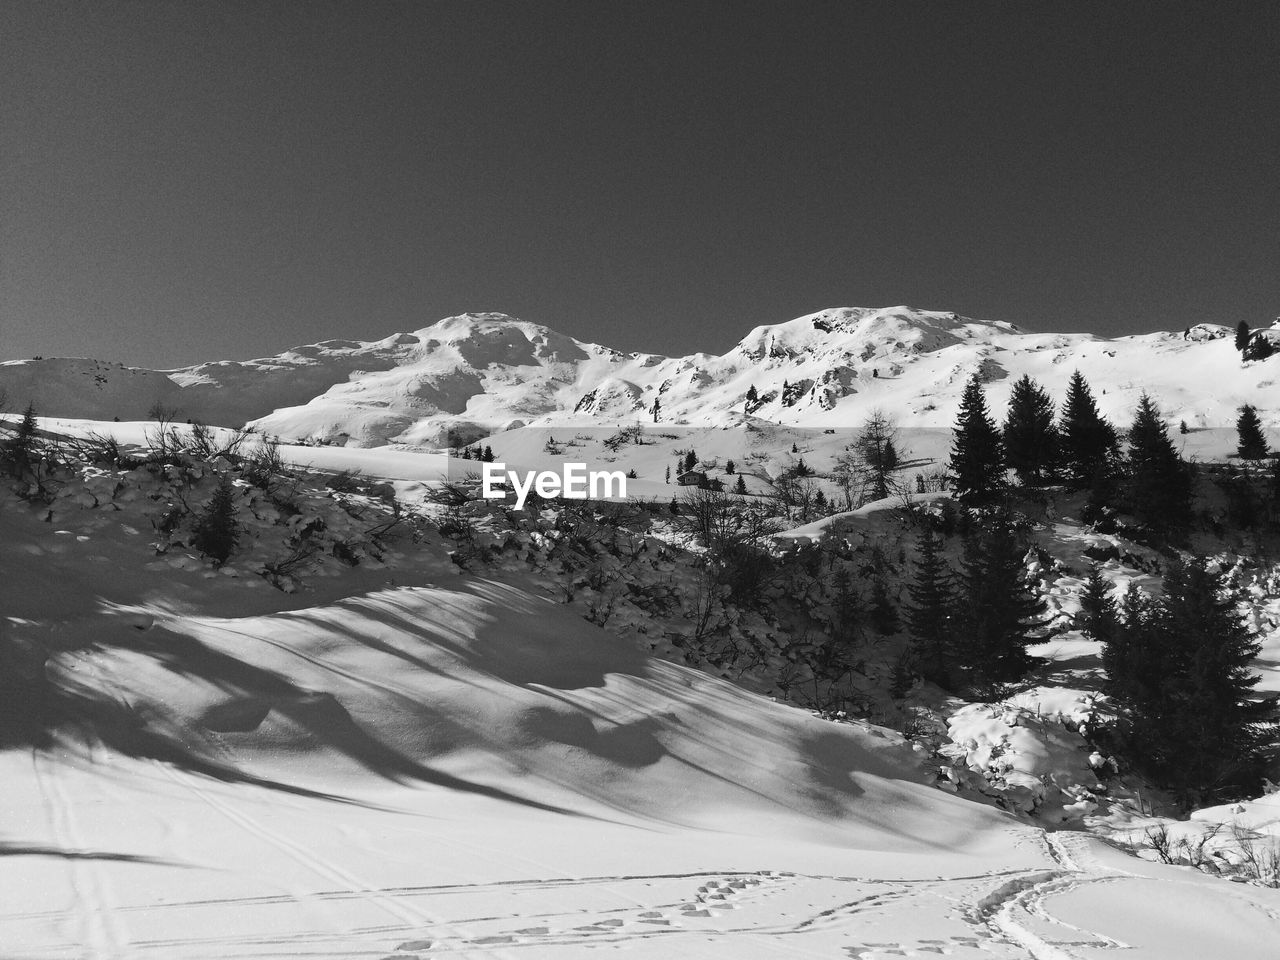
(1088, 442)
(1180, 675)
(1030, 437)
(1098, 611)
(216, 529)
(929, 614)
(977, 455)
(997, 607)
(1242, 336)
(1157, 483)
(1252, 445)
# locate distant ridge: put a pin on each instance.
(480, 373)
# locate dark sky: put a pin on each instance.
(183, 181)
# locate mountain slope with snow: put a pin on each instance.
(476, 374)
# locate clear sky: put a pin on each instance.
(182, 181)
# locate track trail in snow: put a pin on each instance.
(96, 921)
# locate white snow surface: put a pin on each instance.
(410, 761)
(477, 374)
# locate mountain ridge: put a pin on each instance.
(474, 374)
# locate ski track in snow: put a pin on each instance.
(99, 928)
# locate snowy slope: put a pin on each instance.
(408, 760)
(477, 374)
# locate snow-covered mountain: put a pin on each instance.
(481, 373)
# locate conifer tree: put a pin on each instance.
(1087, 441)
(23, 446)
(977, 457)
(997, 607)
(487, 455)
(1188, 716)
(752, 397)
(690, 461)
(1157, 483)
(216, 530)
(929, 613)
(1098, 612)
(1242, 336)
(884, 615)
(740, 486)
(876, 455)
(1252, 444)
(1030, 437)
(729, 466)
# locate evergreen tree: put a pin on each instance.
(997, 609)
(667, 478)
(1259, 348)
(1088, 442)
(884, 615)
(690, 461)
(752, 397)
(487, 457)
(1252, 444)
(1242, 336)
(1030, 437)
(820, 502)
(1099, 616)
(729, 466)
(216, 530)
(929, 614)
(1157, 483)
(977, 457)
(22, 447)
(1188, 716)
(740, 486)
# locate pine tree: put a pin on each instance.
(1099, 616)
(1088, 442)
(1242, 336)
(1131, 659)
(884, 615)
(752, 397)
(998, 608)
(1252, 444)
(667, 478)
(820, 501)
(690, 461)
(890, 456)
(22, 447)
(1188, 716)
(740, 486)
(216, 530)
(929, 614)
(1157, 484)
(1030, 437)
(487, 456)
(729, 466)
(977, 457)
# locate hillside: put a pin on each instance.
(488, 734)
(477, 374)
